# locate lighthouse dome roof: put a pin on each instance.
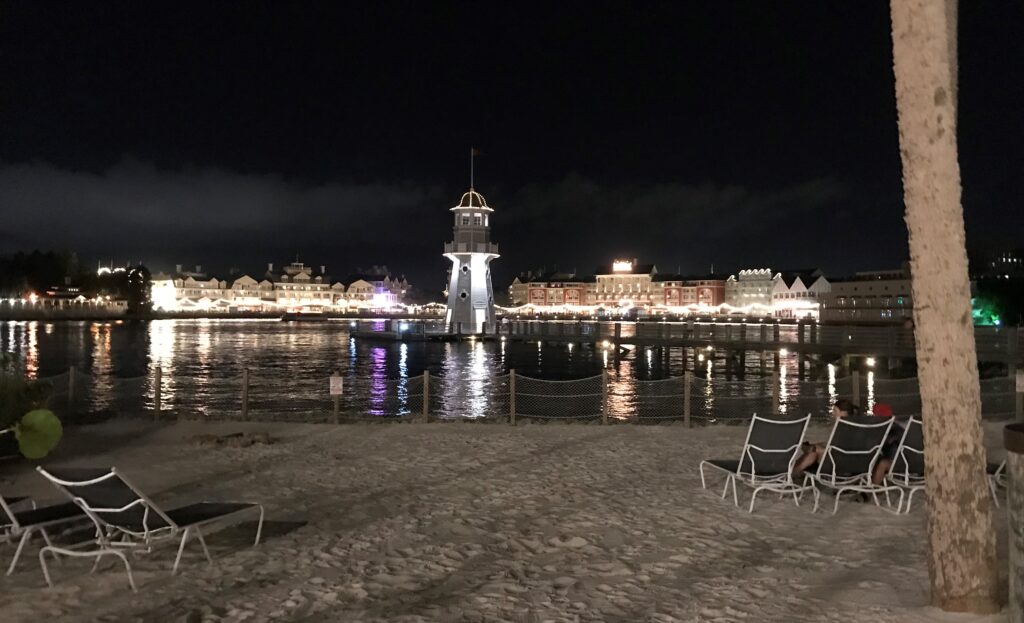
(472, 199)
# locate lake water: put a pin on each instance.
(202, 362)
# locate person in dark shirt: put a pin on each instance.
(892, 443)
(812, 452)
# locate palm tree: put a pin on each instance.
(962, 560)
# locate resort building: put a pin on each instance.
(880, 297)
(750, 288)
(797, 294)
(295, 287)
(625, 283)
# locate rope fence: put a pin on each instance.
(691, 399)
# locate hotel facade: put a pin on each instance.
(296, 287)
(626, 284)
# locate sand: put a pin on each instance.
(470, 522)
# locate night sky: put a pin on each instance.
(742, 134)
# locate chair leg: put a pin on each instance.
(725, 489)
(181, 548)
(42, 563)
(259, 528)
(735, 496)
(17, 553)
(703, 482)
(202, 542)
(753, 498)
(992, 489)
(127, 569)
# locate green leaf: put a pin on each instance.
(38, 433)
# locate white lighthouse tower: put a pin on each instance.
(470, 296)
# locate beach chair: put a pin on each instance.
(849, 459)
(766, 461)
(21, 524)
(996, 478)
(907, 469)
(126, 519)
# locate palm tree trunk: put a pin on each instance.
(962, 561)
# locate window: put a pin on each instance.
(465, 219)
(477, 220)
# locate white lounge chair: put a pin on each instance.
(126, 519)
(21, 524)
(907, 469)
(766, 461)
(849, 459)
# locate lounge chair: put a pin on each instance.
(907, 469)
(126, 519)
(766, 461)
(22, 524)
(996, 478)
(849, 459)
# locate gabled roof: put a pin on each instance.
(806, 276)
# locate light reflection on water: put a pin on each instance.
(202, 361)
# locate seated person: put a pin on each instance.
(812, 452)
(892, 443)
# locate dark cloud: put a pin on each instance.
(219, 219)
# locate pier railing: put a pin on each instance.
(1004, 344)
(607, 398)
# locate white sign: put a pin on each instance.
(622, 266)
(336, 385)
(1020, 381)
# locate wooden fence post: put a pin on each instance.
(687, 390)
(71, 388)
(604, 396)
(855, 392)
(512, 396)
(426, 396)
(245, 393)
(775, 392)
(158, 376)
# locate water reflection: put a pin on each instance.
(378, 381)
(202, 361)
(32, 350)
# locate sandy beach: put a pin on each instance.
(471, 522)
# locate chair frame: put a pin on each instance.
(997, 480)
(113, 539)
(782, 484)
(861, 482)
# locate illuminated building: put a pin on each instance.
(296, 287)
(797, 294)
(750, 287)
(470, 297)
(869, 297)
(625, 283)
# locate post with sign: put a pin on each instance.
(337, 383)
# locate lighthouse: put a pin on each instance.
(470, 296)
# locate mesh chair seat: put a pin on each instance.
(202, 512)
(724, 464)
(48, 514)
